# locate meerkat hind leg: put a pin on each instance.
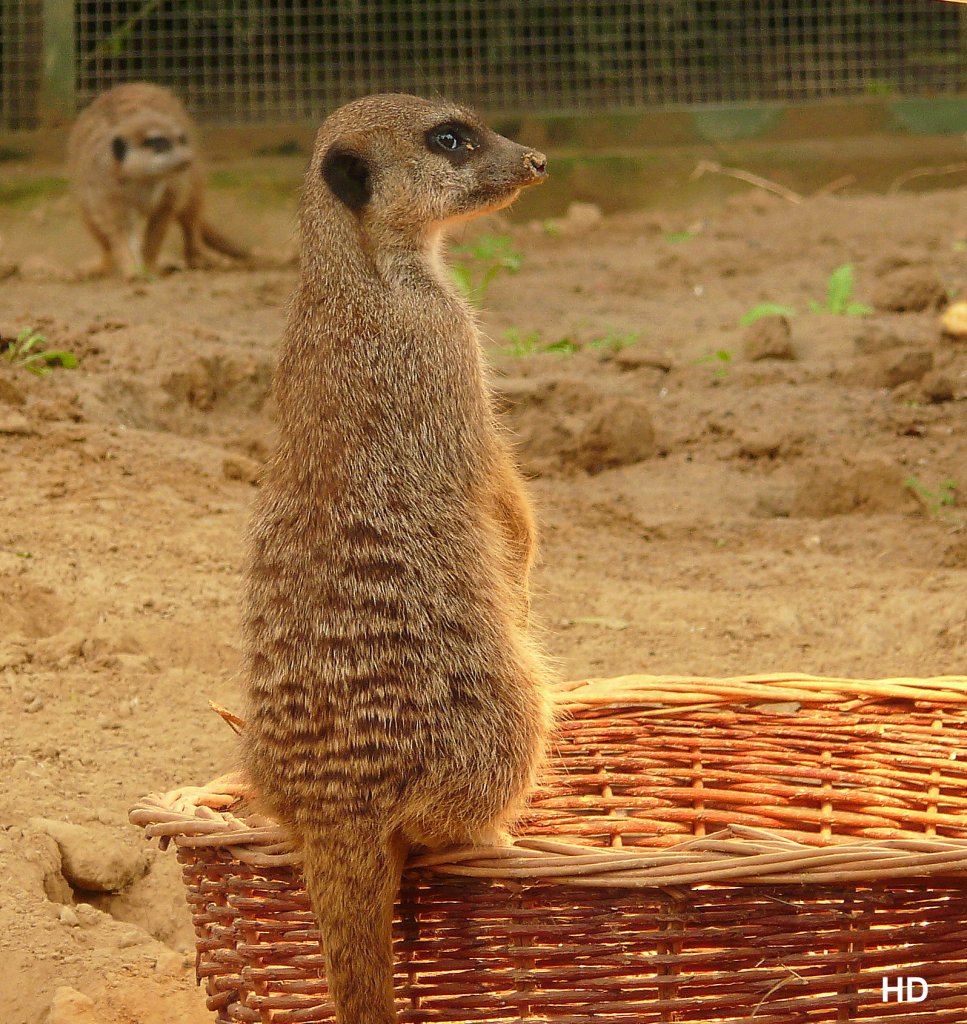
(103, 266)
(191, 231)
(154, 233)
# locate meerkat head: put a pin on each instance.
(407, 167)
(150, 147)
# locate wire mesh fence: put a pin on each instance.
(247, 60)
(20, 67)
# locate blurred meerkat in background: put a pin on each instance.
(133, 156)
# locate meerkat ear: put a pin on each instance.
(348, 175)
(118, 147)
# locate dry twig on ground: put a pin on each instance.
(924, 172)
(710, 167)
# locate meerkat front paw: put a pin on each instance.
(493, 836)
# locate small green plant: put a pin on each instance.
(945, 496)
(613, 341)
(565, 346)
(678, 237)
(26, 353)
(839, 289)
(528, 343)
(520, 343)
(721, 360)
(765, 309)
(483, 261)
(550, 227)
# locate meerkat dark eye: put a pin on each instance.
(157, 143)
(119, 148)
(454, 140)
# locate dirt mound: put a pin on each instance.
(29, 611)
(567, 423)
(909, 290)
(837, 488)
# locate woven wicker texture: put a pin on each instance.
(700, 850)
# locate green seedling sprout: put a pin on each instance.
(527, 343)
(520, 343)
(613, 341)
(678, 237)
(563, 346)
(484, 260)
(765, 309)
(723, 358)
(26, 353)
(945, 496)
(839, 289)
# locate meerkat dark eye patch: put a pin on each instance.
(157, 143)
(348, 175)
(119, 148)
(454, 140)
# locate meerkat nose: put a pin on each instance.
(536, 163)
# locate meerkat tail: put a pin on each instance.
(352, 885)
(217, 241)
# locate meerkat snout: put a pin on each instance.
(537, 163)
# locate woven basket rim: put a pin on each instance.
(643, 690)
(734, 854)
(201, 816)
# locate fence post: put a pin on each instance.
(959, 82)
(58, 86)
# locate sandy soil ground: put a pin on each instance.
(703, 511)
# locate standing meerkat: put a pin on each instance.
(132, 154)
(395, 696)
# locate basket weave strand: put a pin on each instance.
(700, 850)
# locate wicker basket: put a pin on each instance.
(769, 848)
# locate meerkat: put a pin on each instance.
(132, 154)
(396, 696)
